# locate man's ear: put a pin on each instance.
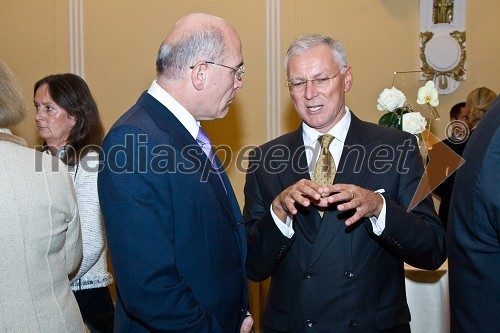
(348, 79)
(199, 75)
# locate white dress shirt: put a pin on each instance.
(312, 147)
(187, 120)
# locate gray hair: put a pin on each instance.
(12, 103)
(196, 46)
(306, 41)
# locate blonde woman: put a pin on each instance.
(40, 237)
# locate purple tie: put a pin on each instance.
(204, 142)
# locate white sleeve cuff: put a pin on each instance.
(378, 224)
(285, 228)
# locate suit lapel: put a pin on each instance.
(296, 153)
(182, 139)
(228, 200)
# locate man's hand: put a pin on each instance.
(367, 203)
(303, 193)
(246, 326)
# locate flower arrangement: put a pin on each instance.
(399, 113)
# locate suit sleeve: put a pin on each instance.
(73, 245)
(136, 202)
(488, 179)
(417, 235)
(266, 243)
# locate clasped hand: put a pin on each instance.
(305, 192)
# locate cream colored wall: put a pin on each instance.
(34, 41)
(121, 39)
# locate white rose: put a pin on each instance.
(390, 99)
(414, 123)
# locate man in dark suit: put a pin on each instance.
(474, 231)
(174, 228)
(457, 139)
(335, 252)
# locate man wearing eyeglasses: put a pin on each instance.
(329, 222)
(174, 228)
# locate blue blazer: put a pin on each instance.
(176, 239)
(474, 231)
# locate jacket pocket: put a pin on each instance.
(275, 319)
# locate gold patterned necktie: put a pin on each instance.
(324, 170)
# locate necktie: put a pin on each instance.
(324, 170)
(204, 142)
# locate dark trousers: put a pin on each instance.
(97, 309)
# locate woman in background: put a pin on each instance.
(478, 101)
(68, 121)
(40, 238)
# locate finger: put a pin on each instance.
(310, 190)
(290, 206)
(247, 324)
(345, 197)
(352, 195)
(353, 219)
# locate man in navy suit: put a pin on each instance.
(174, 228)
(335, 252)
(474, 231)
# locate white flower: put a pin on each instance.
(428, 94)
(414, 123)
(390, 99)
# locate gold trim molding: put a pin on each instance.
(442, 43)
(457, 73)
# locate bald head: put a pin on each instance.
(195, 22)
(195, 37)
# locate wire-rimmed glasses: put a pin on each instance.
(238, 71)
(320, 82)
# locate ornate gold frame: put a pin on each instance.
(457, 73)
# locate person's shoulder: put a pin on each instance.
(134, 116)
(28, 156)
(32, 163)
(374, 132)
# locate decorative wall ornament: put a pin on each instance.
(442, 43)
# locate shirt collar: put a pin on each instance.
(339, 131)
(183, 115)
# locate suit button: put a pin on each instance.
(307, 275)
(349, 274)
(352, 323)
(309, 323)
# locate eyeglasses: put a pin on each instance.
(321, 82)
(238, 71)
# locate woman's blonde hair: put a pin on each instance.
(478, 101)
(12, 104)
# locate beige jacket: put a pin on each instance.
(40, 242)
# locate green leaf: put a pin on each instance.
(386, 119)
